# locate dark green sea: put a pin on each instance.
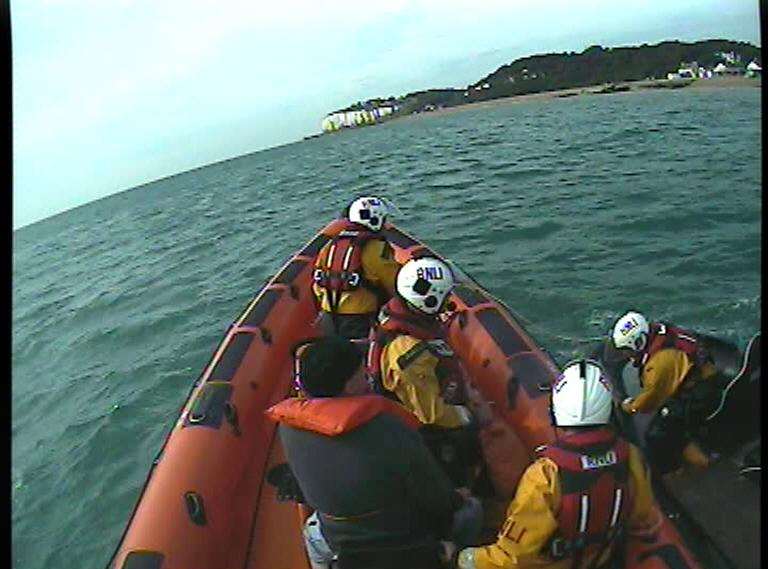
(569, 210)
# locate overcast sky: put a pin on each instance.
(110, 94)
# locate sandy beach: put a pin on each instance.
(634, 87)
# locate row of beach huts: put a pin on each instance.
(350, 118)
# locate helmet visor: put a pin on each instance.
(373, 220)
(421, 286)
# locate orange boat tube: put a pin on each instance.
(205, 503)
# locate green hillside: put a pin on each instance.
(596, 65)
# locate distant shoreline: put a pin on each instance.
(633, 87)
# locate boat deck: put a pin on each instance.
(724, 507)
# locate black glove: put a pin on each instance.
(288, 490)
(467, 523)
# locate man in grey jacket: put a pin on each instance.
(381, 499)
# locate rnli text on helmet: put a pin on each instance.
(430, 273)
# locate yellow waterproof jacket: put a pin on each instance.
(662, 376)
(379, 269)
(532, 519)
(417, 385)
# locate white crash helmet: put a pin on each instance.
(631, 331)
(581, 396)
(369, 211)
(425, 283)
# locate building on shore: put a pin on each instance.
(731, 58)
(350, 118)
(722, 69)
(688, 70)
(754, 69)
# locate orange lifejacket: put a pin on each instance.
(339, 264)
(394, 320)
(593, 468)
(333, 416)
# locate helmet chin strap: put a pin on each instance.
(643, 341)
(412, 307)
(552, 417)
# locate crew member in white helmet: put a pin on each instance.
(584, 493)
(679, 383)
(410, 361)
(355, 271)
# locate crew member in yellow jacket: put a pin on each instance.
(585, 493)
(679, 383)
(355, 271)
(410, 361)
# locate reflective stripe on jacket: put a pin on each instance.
(409, 358)
(354, 270)
(593, 470)
(532, 519)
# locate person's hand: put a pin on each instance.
(465, 559)
(627, 407)
(480, 408)
(464, 492)
(448, 552)
(467, 522)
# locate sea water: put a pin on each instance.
(569, 210)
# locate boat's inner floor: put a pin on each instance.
(718, 504)
(723, 504)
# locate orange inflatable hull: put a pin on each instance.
(206, 504)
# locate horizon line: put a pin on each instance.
(248, 153)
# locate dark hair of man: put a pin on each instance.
(327, 364)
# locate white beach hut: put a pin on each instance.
(723, 69)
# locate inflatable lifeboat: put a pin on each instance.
(206, 503)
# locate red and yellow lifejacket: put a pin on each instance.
(663, 336)
(339, 264)
(593, 469)
(394, 320)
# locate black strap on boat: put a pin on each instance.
(143, 559)
(230, 414)
(209, 405)
(195, 508)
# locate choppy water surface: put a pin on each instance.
(570, 210)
